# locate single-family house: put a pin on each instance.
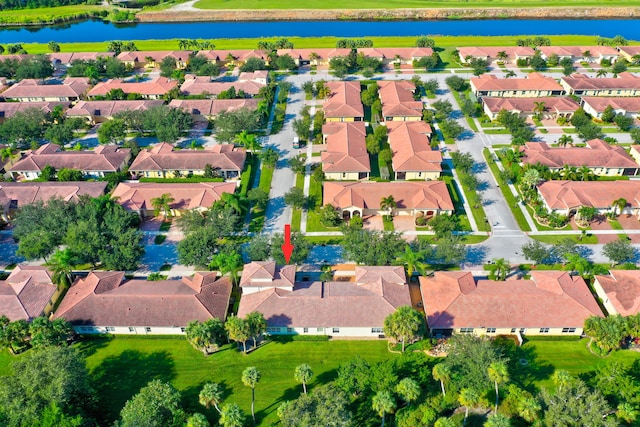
(619, 291)
(630, 53)
(205, 86)
(153, 58)
(346, 156)
(590, 54)
(413, 157)
(138, 196)
(61, 60)
(234, 58)
(413, 198)
(32, 90)
(553, 107)
(107, 302)
(550, 303)
(595, 105)
(14, 195)
(155, 88)
(506, 54)
(603, 159)
(626, 84)
(203, 110)
(343, 103)
(534, 85)
(96, 163)
(162, 161)
(397, 101)
(9, 109)
(354, 304)
(304, 56)
(403, 55)
(566, 197)
(101, 111)
(27, 293)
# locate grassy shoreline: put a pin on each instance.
(324, 42)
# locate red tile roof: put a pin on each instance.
(346, 148)
(491, 52)
(344, 100)
(410, 147)
(597, 154)
(533, 82)
(376, 293)
(197, 85)
(104, 158)
(267, 273)
(110, 108)
(559, 104)
(629, 105)
(72, 87)
(577, 51)
(138, 196)
(213, 107)
(624, 81)
(25, 193)
(397, 99)
(551, 299)
(9, 109)
(408, 195)
(598, 194)
(154, 87)
(162, 157)
(623, 290)
(26, 292)
(108, 299)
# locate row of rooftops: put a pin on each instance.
(360, 296)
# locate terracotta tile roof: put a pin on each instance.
(24, 193)
(110, 108)
(623, 290)
(346, 148)
(492, 51)
(629, 50)
(267, 273)
(162, 158)
(197, 85)
(624, 81)
(9, 109)
(397, 99)
(410, 147)
(533, 82)
(404, 53)
(577, 51)
(107, 299)
(527, 105)
(597, 194)
(213, 107)
(104, 158)
(238, 54)
(157, 55)
(68, 57)
(551, 299)
(630, 105)
(26, 292)
(154, 87)
(344, 100)
(365, 303)
(137, 196)
(72, 87)
(408, 195)
(597, 154)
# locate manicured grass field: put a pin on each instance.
(47, 14)
(391, 4)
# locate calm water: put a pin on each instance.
(94, 31)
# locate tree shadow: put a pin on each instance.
(120, 377)
(89, 345)
(476, 254)
(525, 368)
(191, 396)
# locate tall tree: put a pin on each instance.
(163, 203)
(468, 398)
(231, 416)
(156, 404)
(303, 374)
(238, 330)
(211, 395)
(250, 378)
(499, 269)
(257, 326)
(325, 406)
(499, 374)
(383, 403)
(413, 260)
(404, 324)
(408, 390)
(441, 372)
(388, 204)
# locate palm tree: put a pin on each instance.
(303, 374)
(383, 403)
(231, 416)
(539, 108)
(257, 325)
(619, 205)
(233, 200)
(568, 173)
(404, 324)
(585, 173)
(601, 73)
(502, 55)
(499, 374)
(388, 204)
(468, 397)
(211, 395)
(162, 203)
(238, 330)
(442, 373)
(197, 420)
(269, 157)
(635, 60)
(61, 263)
(586, 55)
(499, 269)
(529, 408)
(251, 377)
(408, 389)
(564, 140)
(561, 379)
(509, 73)
(498, 420)
(412, 260)
(248, 141)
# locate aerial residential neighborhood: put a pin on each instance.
(300, 232)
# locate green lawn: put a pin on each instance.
(391, 4)
(121, 366)
(296, 214)
(257, 215)
(456, 198)
(49, 14)
(590, 239)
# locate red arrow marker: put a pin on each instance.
(287, 248)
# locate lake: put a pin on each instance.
(96, 31)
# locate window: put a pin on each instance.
(289, 330)
(273, 330)
(132, 329)
(466, 330)
(147, 329)
(344, 175)
(544, 330)
(376, 331)
(491, 330)
(568, 330)
(84, 329)
(336, 330)
(110, 329)
(182, 330)
(513, 330)
(320, 330)
(306, 330)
